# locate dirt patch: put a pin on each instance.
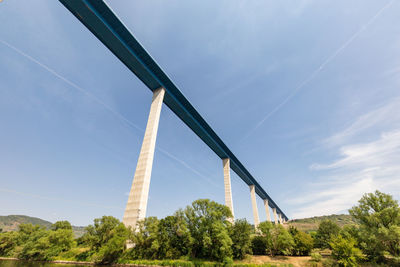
(295, 261)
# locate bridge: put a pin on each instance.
(97, 16)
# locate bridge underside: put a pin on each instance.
(107, 27)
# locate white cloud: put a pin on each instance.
(361, 167)
(386, 116)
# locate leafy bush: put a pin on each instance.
(258, 245)
(325, 231)
(240, 234)
(277, 240)
(345, 252)
(303, 242)
(106, 239)
(281, 241)
(41, 244)
(315, 256)
(8, 242)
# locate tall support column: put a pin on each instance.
(267, 210)
(254, 204)
(226, 163)
(275, 216)
(280, 218)
(138, 196)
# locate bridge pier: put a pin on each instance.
(226, 163)
(138, 196)
(254, 205)
(267, 210)
(275, 216)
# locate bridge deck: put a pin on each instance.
(106, 26)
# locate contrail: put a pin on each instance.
(74, 85)
(316, 71)
(107, 107)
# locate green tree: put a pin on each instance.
(25, 231)
(276, 238)
(174, 237)
(281, 241)
(111, 250)
(326, 230)
(146, 240)
(259, 245)
(345, 252)
(208, 226)
(36, 245)
(61, 225)
(8, 242)
(264, 242)
(41, 244)
(303, 242)
(106, 238)
(61, 238)
(240, 234)
(379, 218)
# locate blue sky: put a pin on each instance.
(305, 93)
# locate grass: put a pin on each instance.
(198, 263)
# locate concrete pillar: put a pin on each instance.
(280, 218)
(254, 204)
(275, 216)
(226, 163)
(267, 210)
(137, 201)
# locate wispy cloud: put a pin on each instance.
(386, 116)
(360, 166)
(373, 154)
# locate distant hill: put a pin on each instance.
(311, 224)
(11, 222)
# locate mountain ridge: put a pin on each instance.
(10, 223)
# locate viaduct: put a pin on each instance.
(107, 27)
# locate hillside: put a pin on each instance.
(311, 224)
(11, 222)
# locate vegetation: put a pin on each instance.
(202, 235)
(379, 232)
(324, 234)
(12, 222)
(310, 225)
(344, 251)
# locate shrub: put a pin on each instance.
(315, 256)
(258, 245)
(8, 242)
(240, 234)
(281, 241)
(326, 229)
(345, 252)
(106, 239)
(303, 242)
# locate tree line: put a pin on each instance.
(202, 231)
